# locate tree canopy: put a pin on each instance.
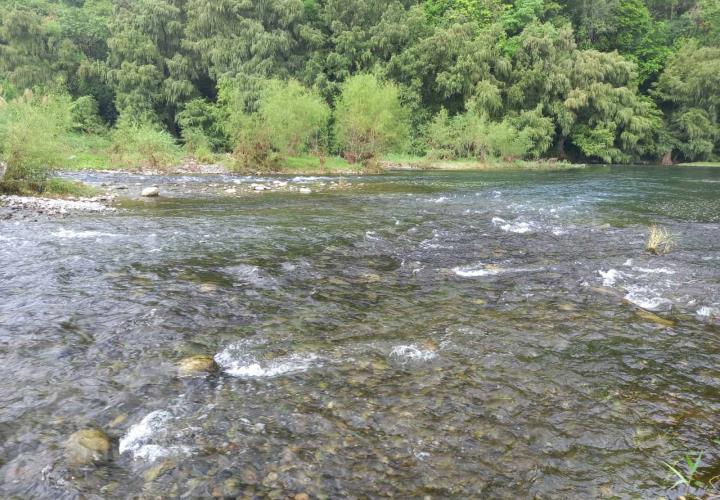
(589, 80)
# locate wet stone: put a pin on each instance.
(158, 470)
(87, 446)
(195, 366)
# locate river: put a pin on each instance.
(442, 334)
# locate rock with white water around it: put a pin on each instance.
(260, 187)
(305, 190)
(197, 366)
(231, 191)
(151, 192)
(87, 446)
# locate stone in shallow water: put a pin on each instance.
(197, 366)
(87, 446)
(151, 192)
(654, 318)
(158, 470)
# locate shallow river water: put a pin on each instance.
(455, 334)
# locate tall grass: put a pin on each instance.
(660, 241)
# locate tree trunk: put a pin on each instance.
(667, 158)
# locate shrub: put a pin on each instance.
(472, 135)
(369, 119)
(31, 132)
(142, 145)
(293, 116)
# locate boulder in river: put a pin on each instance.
(87, 446)
(151, 192)
(198, 365)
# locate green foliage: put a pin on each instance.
(472, 135)
(85, 115)
(137, 144)
(32, 128)
(57, 186)
(688, 91)
(200, 129)
(294, 117)
(601, 80)
(369, 118)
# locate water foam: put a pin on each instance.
(513, 227)
(647, 299)
(660, 270)
(72, 234)
(413, 352)
(610, 276)
(139, 438)
(477, 271)
(237, 362)
(708, 312)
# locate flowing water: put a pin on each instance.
(457, 334)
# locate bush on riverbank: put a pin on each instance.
(32, 128)
(137, 145)
(369, 119)
(270, 120)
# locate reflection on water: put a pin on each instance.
(443, 334)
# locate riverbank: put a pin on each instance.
(332, 165)
(700, 164)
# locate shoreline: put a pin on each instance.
(420, 165)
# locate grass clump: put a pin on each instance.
(137, 145)
(62, 188)
(660, 241)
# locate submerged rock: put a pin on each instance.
(197, 366)
(654, 318)
(87, 446)
(151, 192)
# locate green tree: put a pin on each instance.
(294, 116)
(688, 92)
(369, 119)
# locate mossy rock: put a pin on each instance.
(195, 366)
(87, 446)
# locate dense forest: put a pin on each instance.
(597, 81)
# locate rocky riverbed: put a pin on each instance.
(441, 334)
